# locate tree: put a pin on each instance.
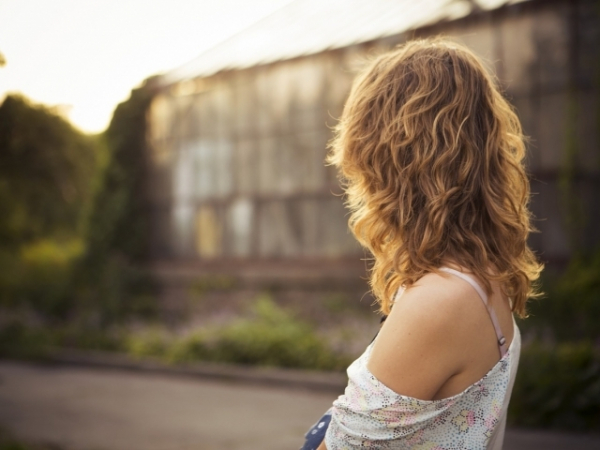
(111, 278)
(45, 171)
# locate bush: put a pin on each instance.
(153, 342)
(38, 277)
(110, 279)
(18, 339)
(271, 336)
(558, 383)
(115, 291)
(557, 387)
(572, 307)
(45, 170)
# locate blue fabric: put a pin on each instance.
(316, 434)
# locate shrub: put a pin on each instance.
(115, 290)
(39, 276)
(152, 342)
(20, 341)
(557, 387)
(270, 336)
(572, 307)
(197, 346)
(275, 338)
(110, 279)
(45, 170)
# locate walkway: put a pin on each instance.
(94, 409)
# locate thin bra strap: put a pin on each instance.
(490, 309)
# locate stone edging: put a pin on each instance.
(289, 378)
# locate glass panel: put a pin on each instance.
(310, 150)
(183, 218)
(203, 165)
(269, 166)
(337, 240)
(279, 234)
(183, 174)
(208, 232)
(223, 168)
(240, 219)
(246, 167)
(309, 218)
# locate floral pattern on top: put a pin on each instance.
(369, 415)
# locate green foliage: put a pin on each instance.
(19, 339)
(153, 342)
(118, 221)
(558, 383)
(197, 346)
(572, 308)
(270, 336)
(115, 291)
(110, 278)
(557, 387)
(73, 227)
(273, 337)
(573, 209)
(45, 171)
(39, 275)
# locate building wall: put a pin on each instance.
(546, 59)
(238, 157)
(238, 167)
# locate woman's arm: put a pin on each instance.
(421, 344)
(419, 348)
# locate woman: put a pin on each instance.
(431, 157)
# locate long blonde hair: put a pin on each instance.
(431, 160)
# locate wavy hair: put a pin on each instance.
(430, 156)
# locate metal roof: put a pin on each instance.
(305, 27)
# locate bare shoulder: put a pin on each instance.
(438, 293)
(422, 342)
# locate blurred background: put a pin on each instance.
(164, 195)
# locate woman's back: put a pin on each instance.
(371, 414)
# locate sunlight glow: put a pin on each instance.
(85, 57)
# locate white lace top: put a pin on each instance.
(371, 415)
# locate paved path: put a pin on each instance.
(94, 409)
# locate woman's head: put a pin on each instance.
(431, 157)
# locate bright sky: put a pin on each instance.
(86, 55)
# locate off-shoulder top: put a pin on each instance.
(371, 415)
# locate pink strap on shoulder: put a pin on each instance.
(490, 309)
